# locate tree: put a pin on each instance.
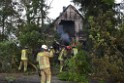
(30, 36)
(106, 51)
(36, 11)
(93, 7)
(6, 12)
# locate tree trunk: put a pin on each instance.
(2, 35)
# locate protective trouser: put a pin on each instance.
(75, 52)
(25, 62)
(46, 75)
(61, 65)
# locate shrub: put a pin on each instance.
(79, 68)
(8, 51)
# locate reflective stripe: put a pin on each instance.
(43, 59)
(61, 54)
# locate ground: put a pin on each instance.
(24, 78)
(32, 78)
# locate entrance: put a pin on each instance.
(66, 31)
(68, 27)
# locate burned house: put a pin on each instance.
(69, 25)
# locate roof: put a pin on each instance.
(65, 11)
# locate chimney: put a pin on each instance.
(64, 8)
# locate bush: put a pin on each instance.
(108, 67)
(8, 52)
(79, 68)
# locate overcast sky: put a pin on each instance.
(57, 6)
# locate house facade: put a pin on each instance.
(69, 24)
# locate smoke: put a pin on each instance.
(60, 29)
(64, 36)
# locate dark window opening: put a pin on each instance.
(68, 27)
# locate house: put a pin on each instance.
(70, 24)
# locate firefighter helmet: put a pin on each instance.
(44, 47)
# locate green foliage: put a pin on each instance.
(109, 2)
(79, 68)
(10, 79)
(6, 14)
(106, 36)
(36, 11)
(69, 76)
(8, 53)
(106, 52)
(30, 36)
(109, 66)
(101, 81)
(80, 63)
(93, 7)
(63, 76)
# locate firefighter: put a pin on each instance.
(53, 60)
(61, 58)
(44, 64)
(74, 51)
(24, 59)
(64, 56)
(69, 51)
(52, 49)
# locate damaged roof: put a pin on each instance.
(70, 6)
